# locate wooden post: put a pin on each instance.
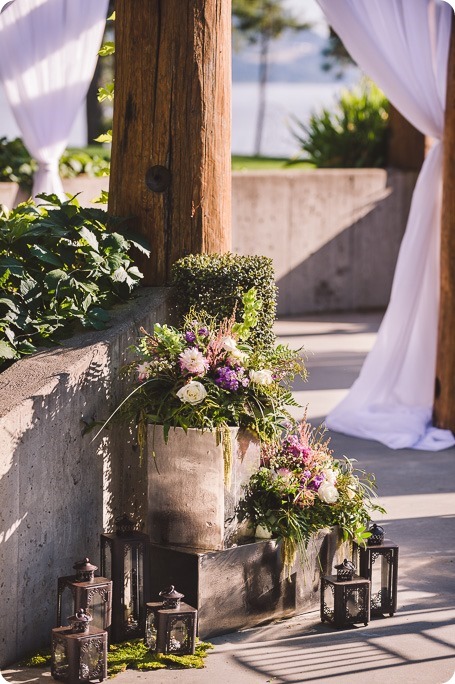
(405, 145)
(444, 403)
(171, 152)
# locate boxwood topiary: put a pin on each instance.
(217, 282)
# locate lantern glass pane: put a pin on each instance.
(354, 603)
(106, 558)
(133, 585)
(178, 635)
(67, 606)
(91, 659)
(60, 668)
(96, 605)
(380, 582)
(150, 631)
(329, 601)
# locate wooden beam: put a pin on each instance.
(444, 403)
(171, 152)
(405, 144)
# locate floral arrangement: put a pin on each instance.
(205, 375)
(301, 488)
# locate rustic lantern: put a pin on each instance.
(79, 652)
(87, 592)
(345, 598)
(125, 558)
(171, 625)
(378, 562)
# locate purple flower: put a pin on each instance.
(226, 378)
(190, 336)
(203, 332)
(306, 474)
(318, 480)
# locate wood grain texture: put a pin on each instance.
(444, 404)
(172, 109)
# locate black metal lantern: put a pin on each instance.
(85, 591)
(377, 535)
(379, 564)
(79, 652)
(125, 558)
(171, 625)
(345, 597)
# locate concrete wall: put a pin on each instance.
(333, 234)
(60, 488)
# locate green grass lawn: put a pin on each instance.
(239, 163)
(266, 163)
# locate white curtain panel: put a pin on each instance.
(403, 45)
(48, 53)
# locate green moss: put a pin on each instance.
(134, 655)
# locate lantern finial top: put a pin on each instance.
(80, 621)
(345, 570)
(85, 571)
(377, 534)
(124, 525)
(171, 597)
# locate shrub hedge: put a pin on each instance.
(216, 284)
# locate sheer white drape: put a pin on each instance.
(403, 46)
(48, 53)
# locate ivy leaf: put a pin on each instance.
(89, 237)
(45, 255)
(6, 351)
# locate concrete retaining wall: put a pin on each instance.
(58, 488)
(333, 234)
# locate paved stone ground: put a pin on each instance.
(417, 645)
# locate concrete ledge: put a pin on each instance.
(59, 489)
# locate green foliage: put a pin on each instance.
(301, 489)
(17, 166)
(217, 283)
(353, 135)
(60, 268)
(263, 19)
(207, 376)
(134, 655)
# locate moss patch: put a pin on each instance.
(134, 655)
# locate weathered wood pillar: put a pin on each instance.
(444, 404)
(171, 152)
(405, 145)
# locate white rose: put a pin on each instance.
(330, 476)
(261, 377)
(192, 393)
(237, 355)
(229, 344)
(328, 493)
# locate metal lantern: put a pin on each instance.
(379, 564)
(171, 625)
(345, 597)
(377, 535)
(79, 652)
(125, 558)
(85, 591)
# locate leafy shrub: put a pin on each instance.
(353, 135)
(216, 283)
(17, 166)
(59, 267)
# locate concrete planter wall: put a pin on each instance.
(333, 234)
(189, 503)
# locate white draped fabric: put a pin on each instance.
(403, 46)
(48, 53)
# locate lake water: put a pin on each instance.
(284, 100)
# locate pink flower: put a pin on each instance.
(193, 361)
(142, 371)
